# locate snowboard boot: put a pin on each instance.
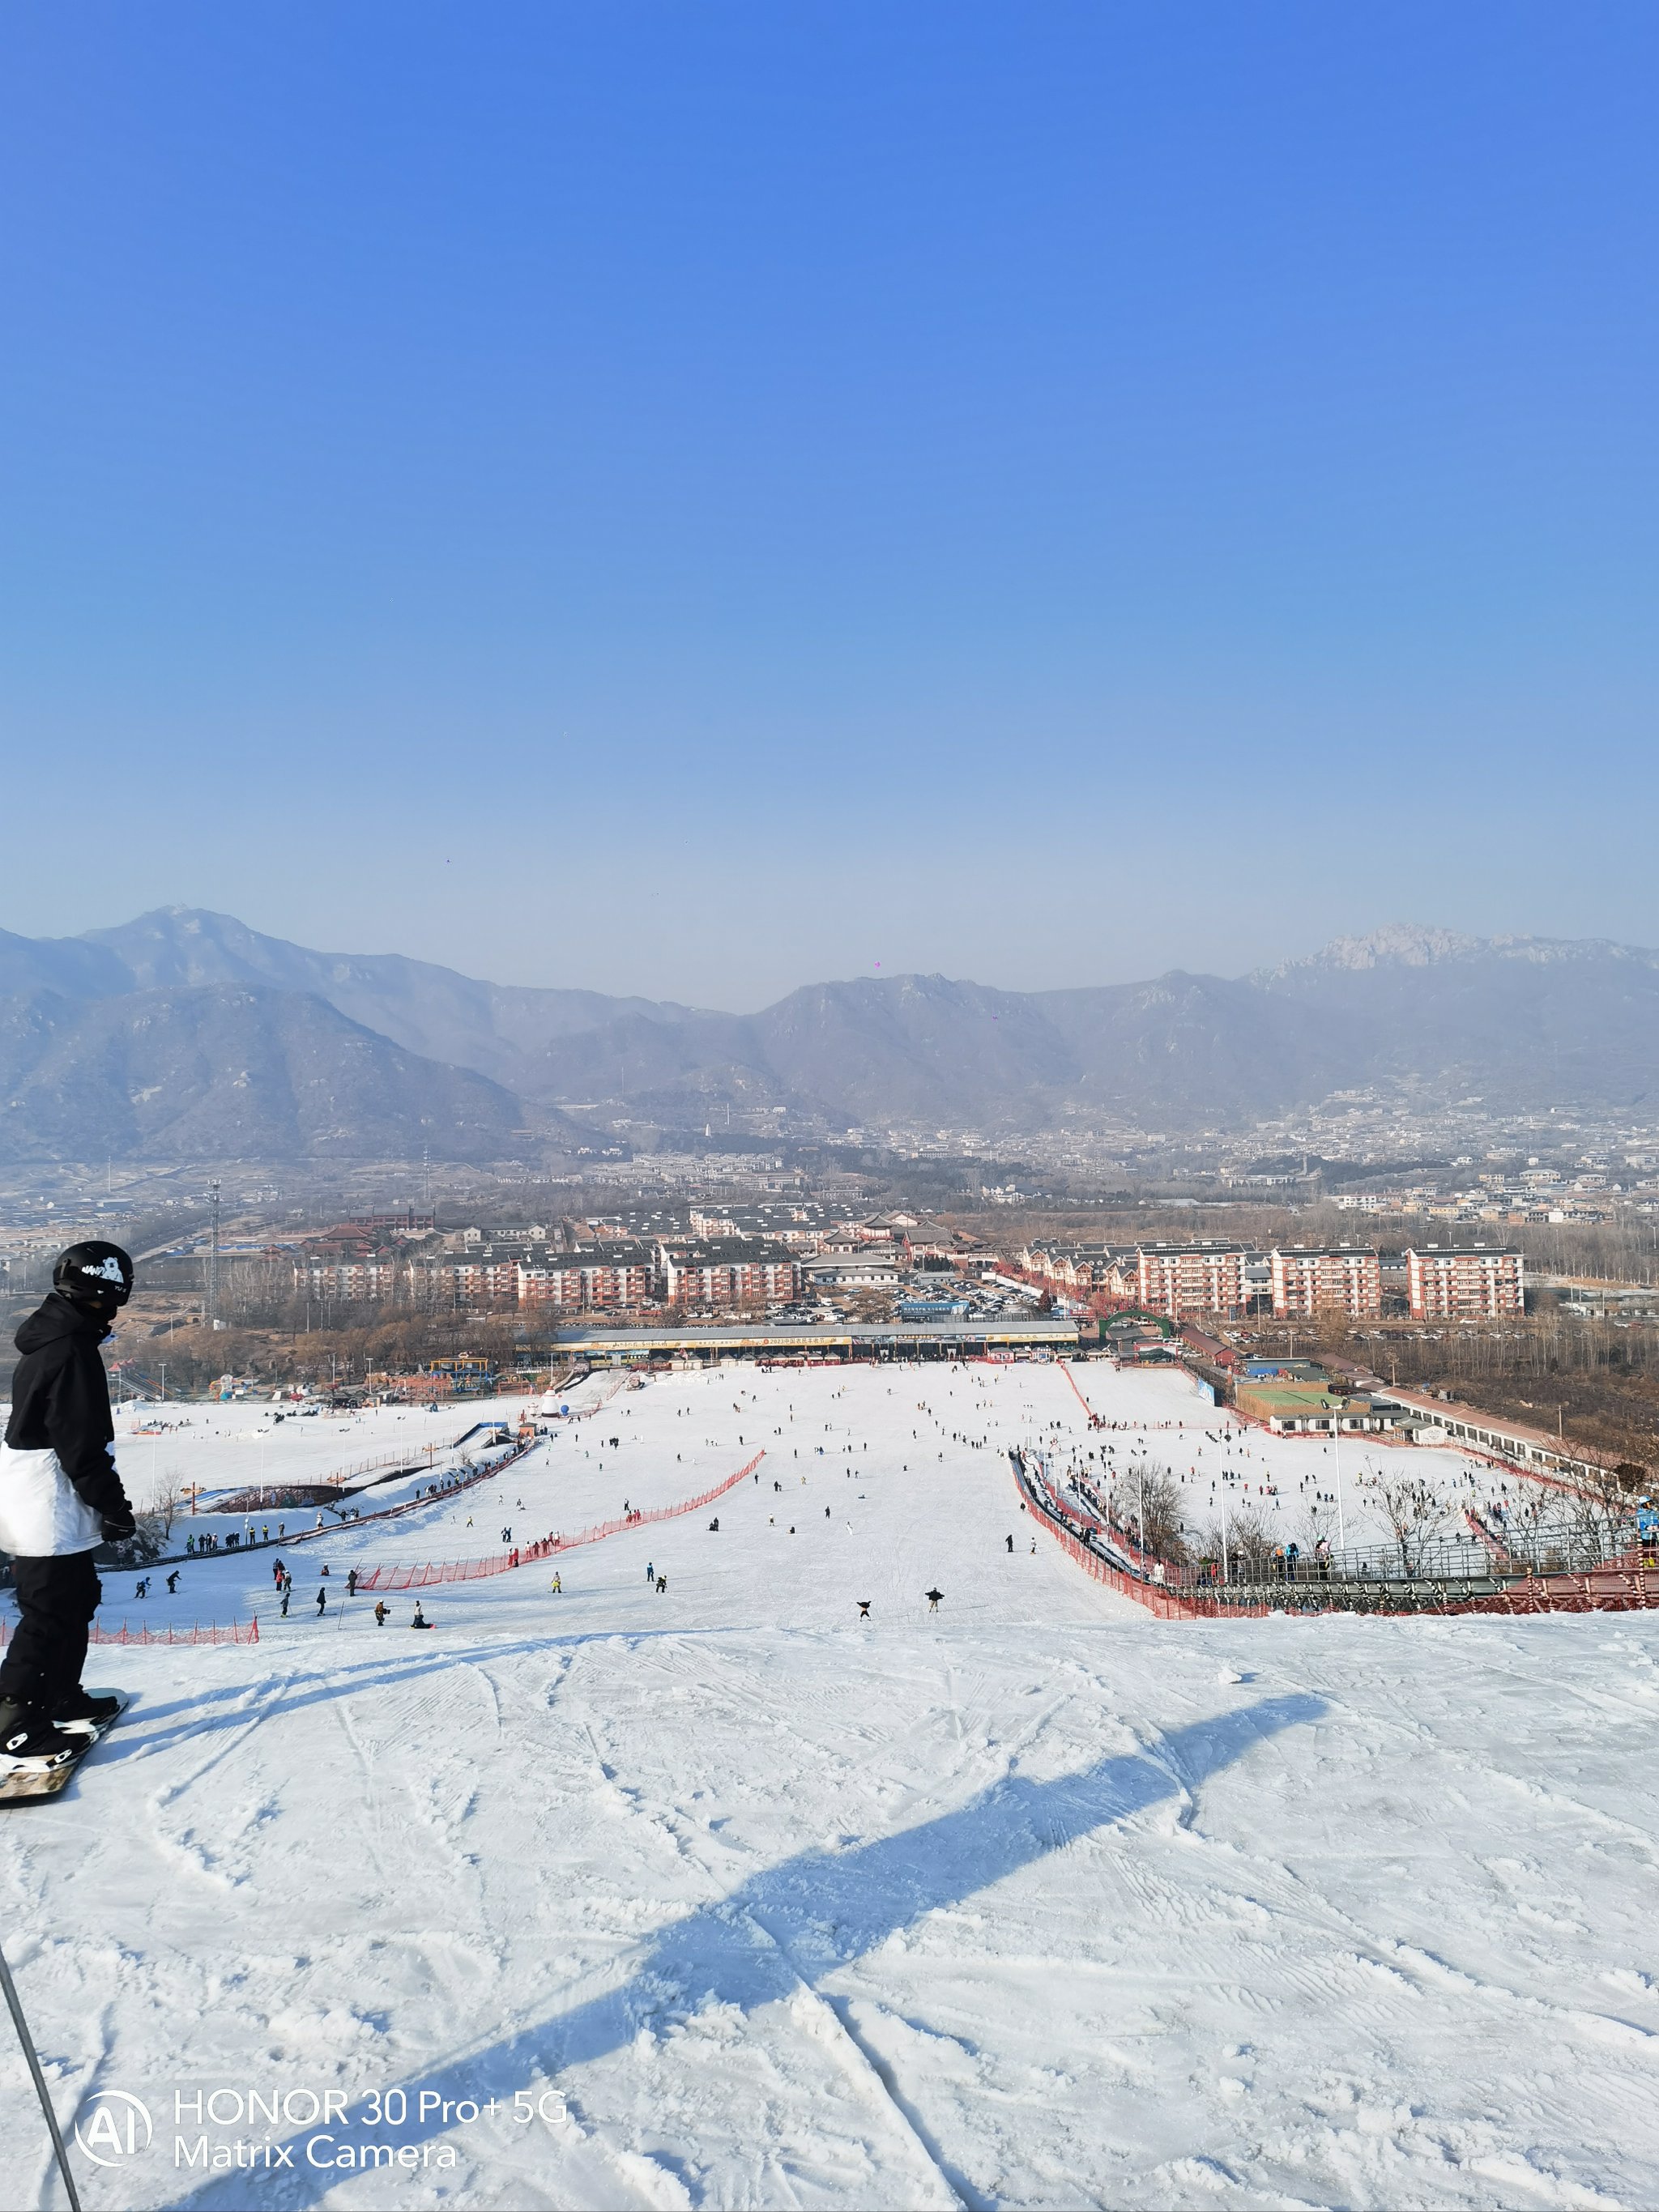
(78, 1712)
(27, 1737)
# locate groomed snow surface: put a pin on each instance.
(1031, 1901)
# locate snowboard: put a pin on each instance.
(19, 1784)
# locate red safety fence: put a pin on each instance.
(213, 1632)
(544, 1547)
(1094, 1418)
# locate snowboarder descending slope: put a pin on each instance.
(60, 1497)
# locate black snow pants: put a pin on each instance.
(56, 1601)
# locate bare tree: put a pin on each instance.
(1145, 1500)
(163, 1508)
(1601, 1518)
(1245, 1542)
(1416, 1513)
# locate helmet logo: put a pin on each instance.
(107, 1271)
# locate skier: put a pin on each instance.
(932, 1597)
(60, 1497)
(662, 1584)
(173, 1583)
(650, 1572)
(863, 1605)
(351, 1583)
(142, 1589)
(1010, 1543)
(287, 1587)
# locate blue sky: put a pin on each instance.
(697, 500)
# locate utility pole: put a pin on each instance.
(213, 1261)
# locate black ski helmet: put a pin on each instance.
(95, 1273)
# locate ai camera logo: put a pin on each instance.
(118, 2130)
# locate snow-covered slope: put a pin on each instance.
(1033, 1900)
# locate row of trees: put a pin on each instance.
(1551, 1529)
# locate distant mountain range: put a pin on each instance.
(185, 1035)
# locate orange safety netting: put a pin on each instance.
(212, 1632)
(500, 1563)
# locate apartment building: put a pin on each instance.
(469, 1280)
(1178, 1279)
(614, 1276)
(1345, 1279)
(729, 1271)
(1078, 1266)
(801, 1224)
(1464, 1282)
(354, 1281)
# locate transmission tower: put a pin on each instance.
(212, 1300)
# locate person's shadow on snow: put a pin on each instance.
(799, 1921)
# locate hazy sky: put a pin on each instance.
(696, 499)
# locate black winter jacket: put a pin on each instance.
(60, 1400)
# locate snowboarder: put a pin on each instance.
(351, 1583)
(173, 1583)
(714, 1526)
(863, 1604)
(143, 1589)
(556, 1585)
(1010, 1543)
(381, 1612)
(286, 1587)
(932, 1597)
(662, 1584)
(650, 1572)
(60, 1497)
(420, 1620)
